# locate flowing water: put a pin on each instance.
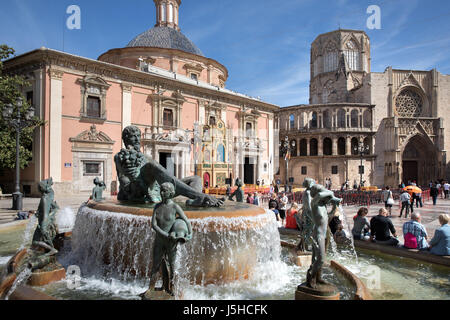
(128, 239)
(65, 220)
(29, 230)
(21, 278)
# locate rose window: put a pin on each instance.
(408, 104)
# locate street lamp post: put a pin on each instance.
(286, 149)
(195, 142)
(362, 150)
(18, 123)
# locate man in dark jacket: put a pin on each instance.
(434, 192)
(380, 226)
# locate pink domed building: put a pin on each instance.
(160, 82)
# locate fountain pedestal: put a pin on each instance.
(321, 292)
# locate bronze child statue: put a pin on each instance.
(45, 232)
(97, 192)
(238, 193)
(171, 226)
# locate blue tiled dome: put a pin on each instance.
(165, 37)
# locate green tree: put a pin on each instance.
(10, 91)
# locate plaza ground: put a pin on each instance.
(428, 212)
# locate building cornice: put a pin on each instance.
(44, 57)
(167, 52)
(324, 106)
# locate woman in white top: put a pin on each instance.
(388, 200)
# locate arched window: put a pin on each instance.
(249, 129)
(326, 91)
(314, 120)
(354, 119)
(341, 146)
(354, 146)
(368, 145)
(330, 62)
(313, 147)
(303, 148)
(351, 54)
(168, 118)
(367, 119)
(341, 118)
(326, 119)
(327, 147)
(291, 121)
(170, 13)
(293, 148)
(220, 153)
(409, 104)
(212, 121)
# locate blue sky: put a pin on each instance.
(264, 43)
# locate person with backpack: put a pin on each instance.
(414, 233)
(405, 199)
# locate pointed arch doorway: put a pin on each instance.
(419, 161)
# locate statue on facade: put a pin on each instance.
(97, 192)
(238, 193)
(172, 227)
(140, 176)
(46, 231)
(315, 206)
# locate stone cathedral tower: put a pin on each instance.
(339, 61)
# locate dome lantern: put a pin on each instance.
(167, 13)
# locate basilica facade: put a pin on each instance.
(160, 82)
(381, 128)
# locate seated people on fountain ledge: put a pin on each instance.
(140, 177)
(380, 226)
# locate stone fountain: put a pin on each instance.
(219, 241)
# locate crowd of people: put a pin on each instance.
(437, 188)
(381, 230)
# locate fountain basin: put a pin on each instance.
(228, 242)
